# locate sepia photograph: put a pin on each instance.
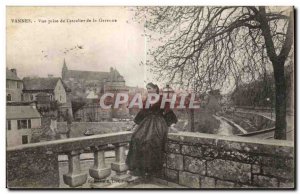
(150, 97)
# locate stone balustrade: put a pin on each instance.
(194, 160)
(199, 160)
(36, 165)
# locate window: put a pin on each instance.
(8, 97)
(7, 84)
(24, 139)
(22, 97)
(19, 85)
(19, 124)
(8, 124)
(60, 98)
(50, 97)
(29, 123)
(24, 124)
(31, 97)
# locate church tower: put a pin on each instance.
(64, 70)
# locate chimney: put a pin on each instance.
(33, 105)
(14, 71)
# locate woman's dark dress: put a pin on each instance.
(147, 144)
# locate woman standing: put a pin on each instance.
(145, 155)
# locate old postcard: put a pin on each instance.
(160, 97)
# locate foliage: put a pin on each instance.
(261, 92)
(77, 104)
(206, 48)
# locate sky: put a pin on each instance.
(38, 49)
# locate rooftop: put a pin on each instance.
(21, 112)
(113, 75)
(11, 74)
(48, 83)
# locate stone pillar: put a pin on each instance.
(74, 177)
(99, 171)
(119, 165)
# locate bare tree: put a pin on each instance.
(206, 48)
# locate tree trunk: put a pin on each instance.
(280, 97)
(278, 66)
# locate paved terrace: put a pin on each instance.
(192, 160)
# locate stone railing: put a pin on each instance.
(79, 128)
(36, 165)
(200, 160)
(194, 160)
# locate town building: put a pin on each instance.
(88, 85)
(82, 83)
(14, 86)
(21, 121)
(52, 87)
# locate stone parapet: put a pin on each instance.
(36, 165)
(199, 160)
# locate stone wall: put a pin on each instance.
(32, 169)
(192, 160)
(79, 128)
(36, 165)
(213, 161)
